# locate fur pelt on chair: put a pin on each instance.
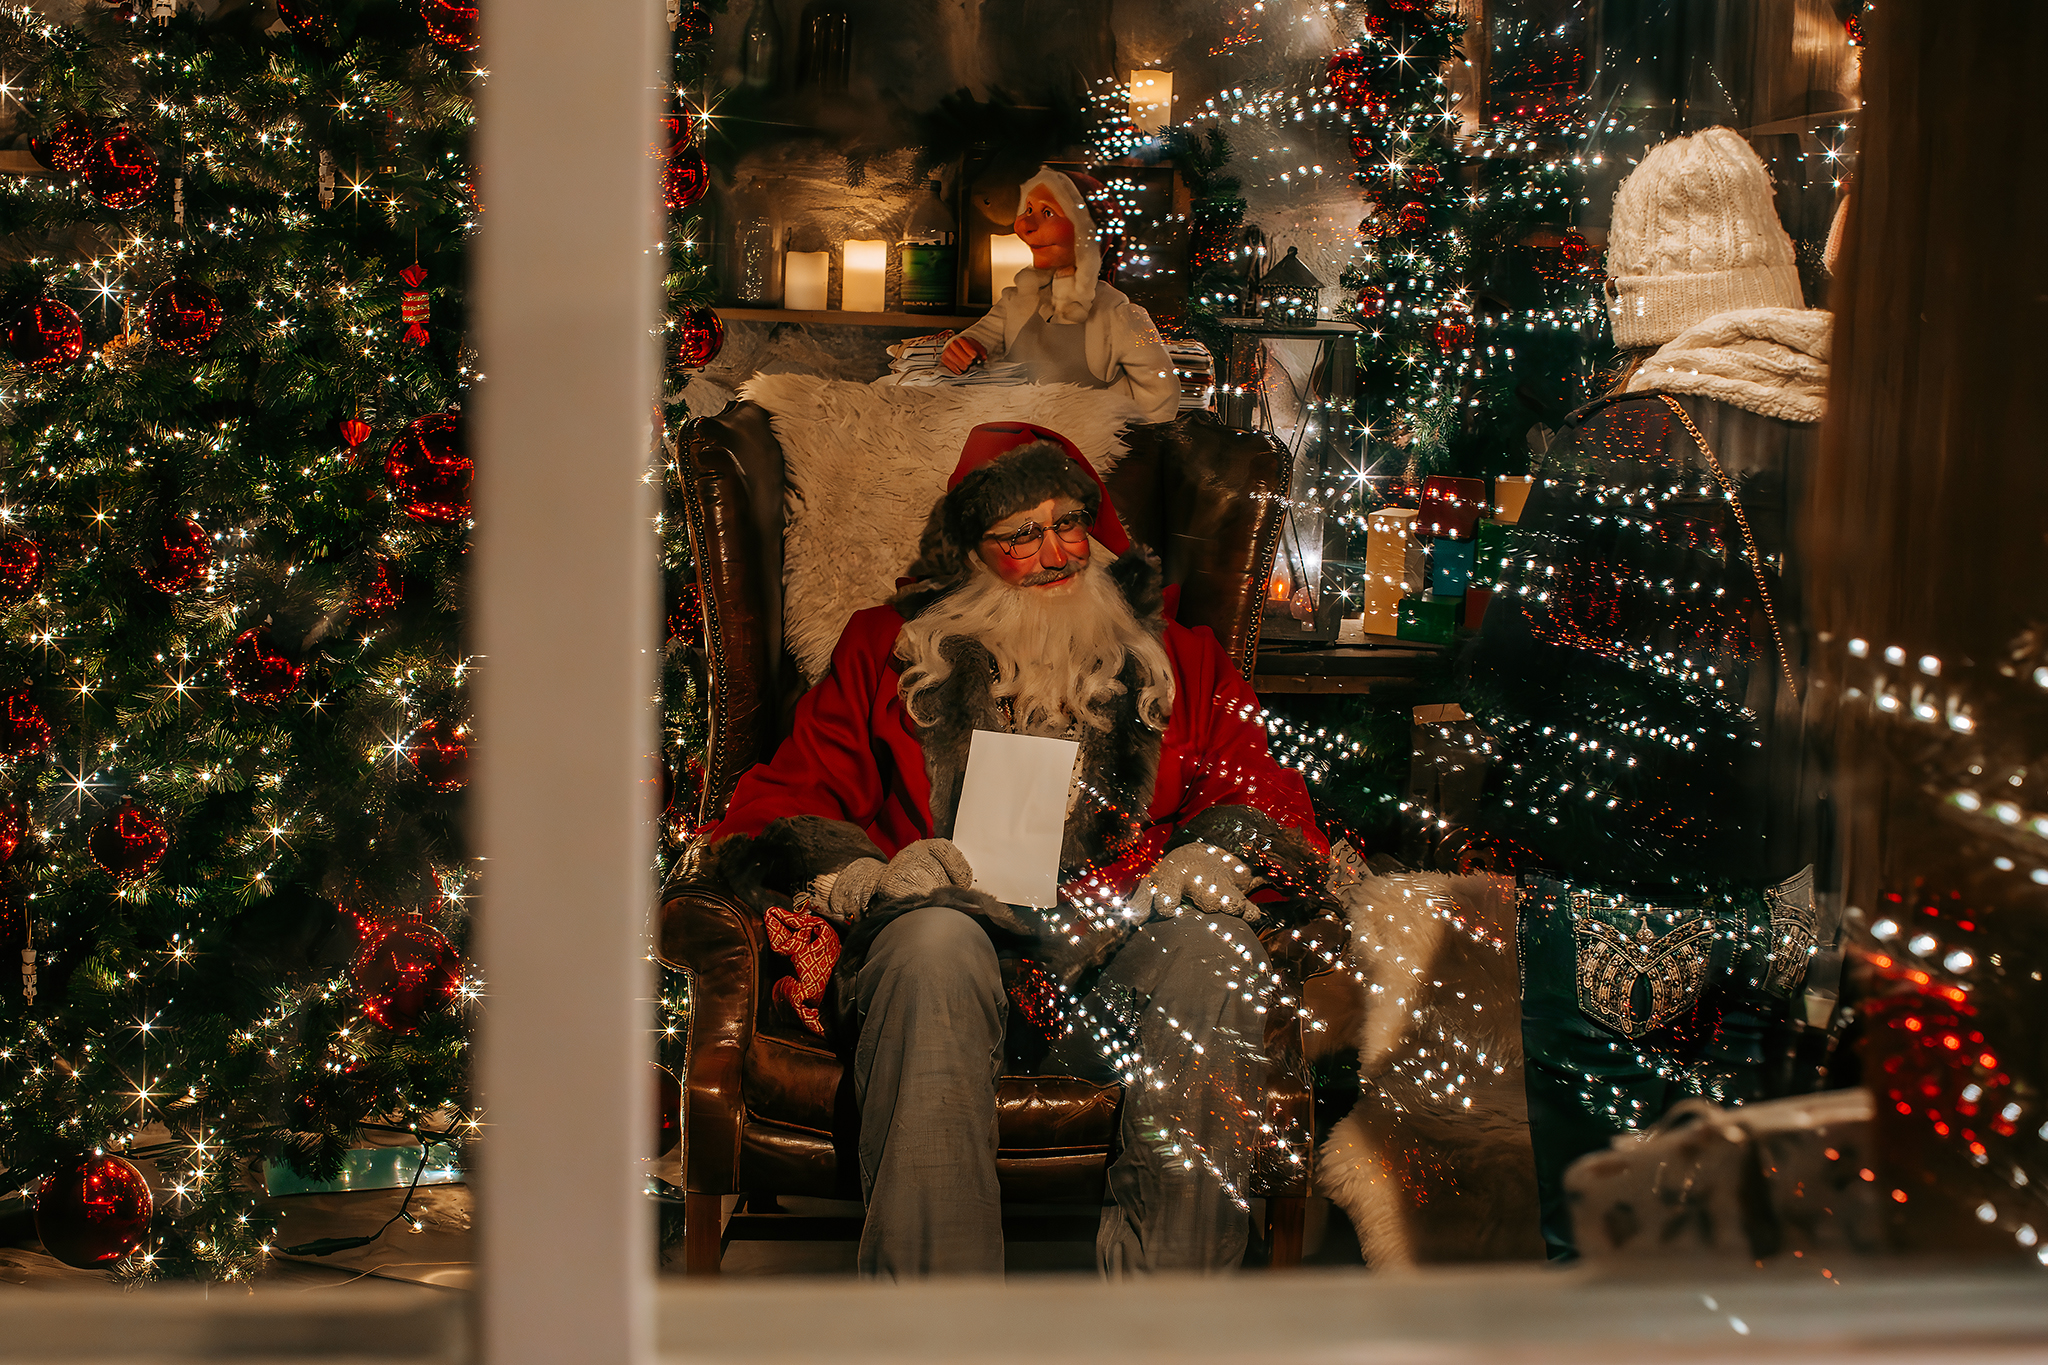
(1434, 1163)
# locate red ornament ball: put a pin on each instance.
(183, 316)
(403, 971)
(429, 466)
(355, 431)
(121, 169)
(1364, 147)
(1574, 251)
(23, 731)
(1853, 25)
(700, 336)
(684, 179)
(450, 24)
(1350, 74)
(675, 135)
(258, 673)
(21, 570)
(386, 590)
(441, 760)
(182, 554)
(128, 843)
(1376, 224)
(66, 146)
(668, 1110)
(93, 1212)
(13, 828)
(1414, 215)
(1451, 333)
(694, 28)
(1370, 302)
(1425, 176)
(45, 334)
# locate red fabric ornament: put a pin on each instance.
(403, 971)
(21, 570)
(257, 672)
(183, 316)
(23, 731)
(442, 762)
(1350, 72)
(128, 843)
(431, 469)
(684, 179)
(450, 24)
(1414, 215)
(700, 336)
(13, 829)
(45, 334)
(1451, 333)
(93, 1212)
(412, 304)
(812, 949)
(668, 1110)
(386, 590)
(121, 169)
(66, 146)
(694, 29)
(355, 431)
(1370, 302)
(180, 558)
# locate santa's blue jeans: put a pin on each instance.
(1177, 1010)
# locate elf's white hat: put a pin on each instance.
(1072, 193)
(1693, 235)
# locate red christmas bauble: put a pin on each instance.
(1350, 73)
(355, 431)
(668, 1110)
(442, 760)
(183, 316)
(403, 971)
(674, 137)
(1853, 25)
(1574, 251)
(13, 828)
(128, 843)
(23, 731)
(66, 146)
(21, 570)
(1424, 175)
(121, 169)
(1370, 302)
(180, 557)
(450, 24)
(93, 1212)
(1414, 214)
(700, 336)
(430, 467)
(1364, 147)
(45, 334)
(694, 28)
(1451, 333)
(684, 179)
(1376, 224)
(258, 673)
(386, 590)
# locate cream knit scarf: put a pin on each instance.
(1772, 361)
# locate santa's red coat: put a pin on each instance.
(851, 754)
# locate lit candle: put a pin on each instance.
(867, 266)
(1007, 254)
(1151, 100)
(804, 276)
(1509, 494)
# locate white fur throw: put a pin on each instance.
(1434, 1164)
(863, 465)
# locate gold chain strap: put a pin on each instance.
(1756, 560)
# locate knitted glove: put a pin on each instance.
(917, 869)
(1201, 875)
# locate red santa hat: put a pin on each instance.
(1006, 467)
(1079, 197)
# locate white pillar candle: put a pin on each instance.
(1509, 494)
(1007, 254)
(804, 276)
(1151, 100)
(866, 268)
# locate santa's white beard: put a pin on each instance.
(1057, 651)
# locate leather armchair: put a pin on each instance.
(768, 1108)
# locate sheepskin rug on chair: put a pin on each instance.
(862, 466)
(1434, 1164)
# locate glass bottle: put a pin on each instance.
(760, 46)
(756, 248)
(929, 255)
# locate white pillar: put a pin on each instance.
(564, 302)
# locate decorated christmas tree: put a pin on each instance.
(236, 500)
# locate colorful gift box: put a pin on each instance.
(1452, 572)
(1451, 506)
(1387, 579)
(1431, 622)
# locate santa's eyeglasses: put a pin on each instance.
(1070, 530)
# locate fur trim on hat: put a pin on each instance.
(1070, 304)
(1013, 481)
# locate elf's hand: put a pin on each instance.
(1200, 875)
(961, 354)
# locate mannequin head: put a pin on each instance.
(1045, 228)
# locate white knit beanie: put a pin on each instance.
(1693, 235)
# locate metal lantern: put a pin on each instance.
(1289, 294)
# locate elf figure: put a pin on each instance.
(1061, 317)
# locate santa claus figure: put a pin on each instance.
(1062, 317)
(1032, 613)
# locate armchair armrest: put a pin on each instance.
(718, 940)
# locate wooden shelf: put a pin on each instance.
(1346, 668)
(834, 317)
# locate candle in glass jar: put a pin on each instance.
(804, 276)
(867, 267)
(1007, 254)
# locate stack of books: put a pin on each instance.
(915, 363)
